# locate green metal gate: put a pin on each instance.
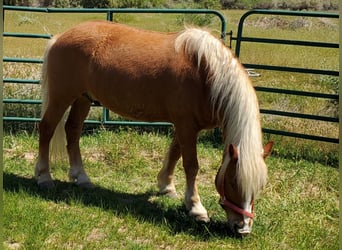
(239, 40)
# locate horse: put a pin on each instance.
(188, 78)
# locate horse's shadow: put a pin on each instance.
(139, 206)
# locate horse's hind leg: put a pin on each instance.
(165, 176)
(73, 128)
(47, 126)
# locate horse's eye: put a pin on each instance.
(221, 202)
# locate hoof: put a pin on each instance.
(169, 191)
(46, 185)
(81, 180)
(202, 218)
(198, 212)
(45, 181)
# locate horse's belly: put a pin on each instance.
(131, 108)
(160, 97)
(140, 113)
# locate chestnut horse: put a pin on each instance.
(188, 78)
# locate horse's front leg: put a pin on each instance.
(187, 141)
(165, 176)
(73, 128)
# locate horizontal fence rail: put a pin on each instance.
(240, 39)
(105, 120)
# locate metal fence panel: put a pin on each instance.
(239, 39)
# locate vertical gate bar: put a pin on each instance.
(110, 15)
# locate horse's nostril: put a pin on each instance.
(238, 225)
(240, 229)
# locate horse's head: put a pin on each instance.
(238, 205)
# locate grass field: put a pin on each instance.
(297, 210)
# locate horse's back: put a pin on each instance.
(98, 39)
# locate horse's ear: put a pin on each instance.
(268, 149)
(233, 152)
(216, 180)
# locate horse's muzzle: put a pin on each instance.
(241, 228)
(242, 231)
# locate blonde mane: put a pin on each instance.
(234, 103)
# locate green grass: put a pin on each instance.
(297, 210)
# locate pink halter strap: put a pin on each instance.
(225, 203)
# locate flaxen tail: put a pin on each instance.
(58, 141)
